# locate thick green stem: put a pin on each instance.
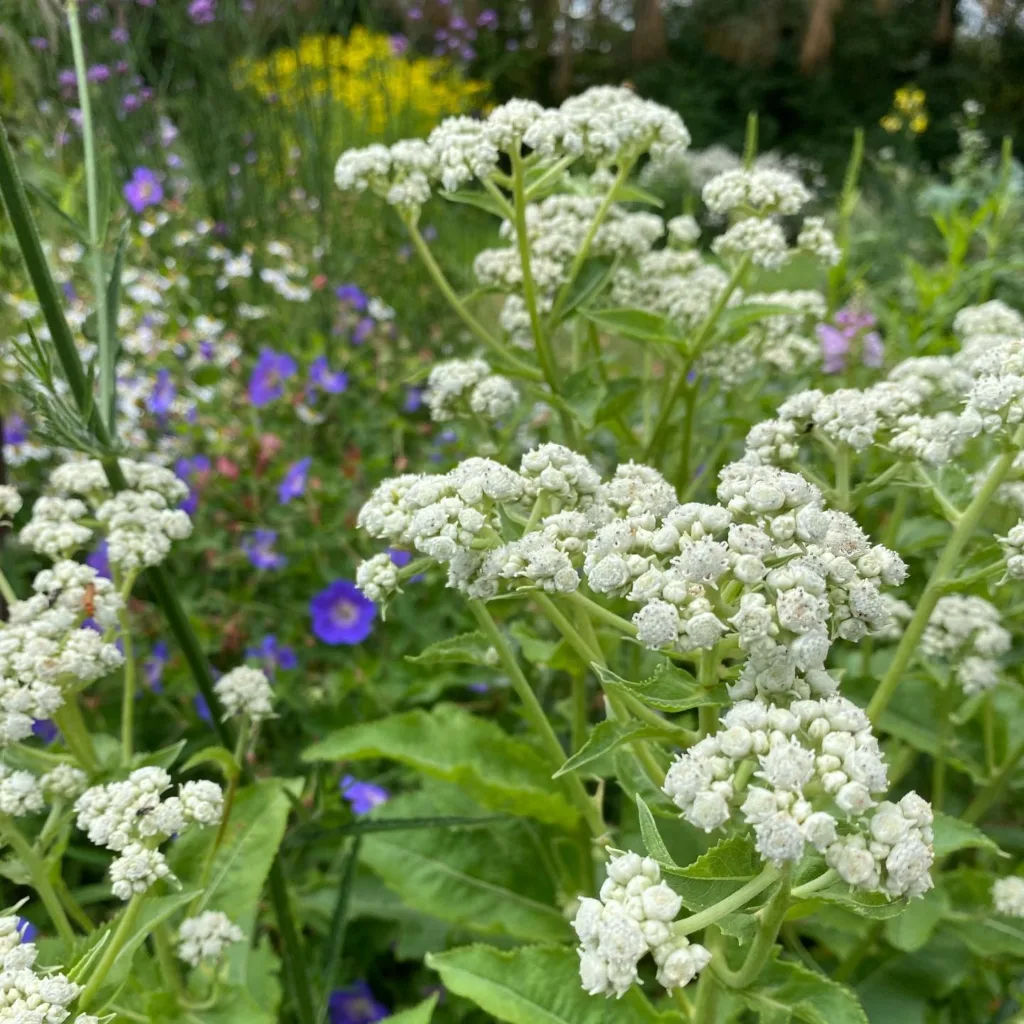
(821, 882)
(76, 736)
(933, 588)
(764, 941)
(740, 898)
(538, 720)
(842, 488)
(603, 614)
(128, 694)
(164, 947)
(99, 275)
(705, 1006)
(37, 872)
(459, 307)
(116, 944)
(685, 458)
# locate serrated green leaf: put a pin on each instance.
(637, 324)
(535, 649)
(502, 773)
(489, 881)
(874, 905)
(605, 737)
(420, 1014)
(465, 649)
(952, 834)
(668, 689)
(219, 756)
(653, 842)
(913, 928)
(785, 990)
(242, 863)
(717, 873)
(535, 985)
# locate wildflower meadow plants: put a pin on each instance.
(693, 685)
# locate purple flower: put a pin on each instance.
(99, 561)
(294, 483)
(342, 614)
(835, 345)
(15, 431)
(272, 655)
(363, 330)
(415, 14)
(67, 79)
(487, 19)
(399, 557)
(144, 189)
(399, 45)
(27, 930)
(259, 547)
(45, 729)
(153, 666)
(413, 399)
(119, 34)
(355, 1005)
(268, 375)
(202, 708)
(321, 376)
(130, 103)
(353, 295)
(161, 398)
(39, 43)
(98, 73)
(362, 797)
(851, 332)
(202, 12)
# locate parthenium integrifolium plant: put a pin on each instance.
(779, 664)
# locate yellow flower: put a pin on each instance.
(919, 123)
(891, 123)
(908, 100)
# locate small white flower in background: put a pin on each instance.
(377, 578)
(205, 937)
(55, 529)
(488, 395)
(762, 241)
(136, 870)
(819, 241)
(1013, 548)
(966, 631)
(994, 317)
(683, 231)
(64, 782)
(632, 918)
(758, 191)
(202, 801)
(20, 793)
(1008, 896)
(10, 501)
(246, 691)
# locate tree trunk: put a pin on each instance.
(820, 35)
(650, 43)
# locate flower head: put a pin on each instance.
(341, 614)
(259, 547)
(268, 375)
(161, 398)
(362, 797)
(355, 1005)
(143, 189)
(272, 655)
(203, 12)
(293, 484)
(153, 666)
(321, 376)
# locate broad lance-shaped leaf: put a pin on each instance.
(669, 689)
(448, 743)
(420, 1014)
(489, 881)
(785, 991)
(465, 649)
(637, 324)
(715, 874)
(655, 845)
(536, 985)
(952, 834)
(606, 736)
(240, 868)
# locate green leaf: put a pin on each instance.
(481, 200)
(534, 985)
(114, 286)
(747, 313)
(669, 689)
(952, 834)
(535, 649)
(785, 990)
(629, 193)
(914, 927)
(584, 393)
(80, 231)
(420, 1014)
(637, 324)
(605, 737)
(992, 935)
(717, 873)
(465, 649)
(490, 881)
(241, 865)
(874, 905)
(589, 281)
(653, 842)
(162, 758)
(449, 743)
(219, 756)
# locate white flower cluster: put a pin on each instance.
(817, 762)
(762, 241)
(683, 231)
(760, 191)
(27, 994)
(1008, 896)
(139, 523)
(486, 394)
(632, 918)
(378, 578)
(133, 817)
(206, 936)
(605, 125)
(65, 782)
(966, 631)
(20, 792)
(44, 647)
(1013, 548)
(10, 501)
(246, 691)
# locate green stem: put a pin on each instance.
(116, 944)
(537, 719)
(705, 1006)
(293, 953)
(445, 288)
(579, 710)
(128, 695)
(821, 882)
(689, 414)
(7, 590)
(740, 898)
(842, 488)
(707, 678)
(602, 613)
(996, 788)
(943, 568)
(945, 702)
(72, 727)
(99, 276)
(764, 941)
(168, 961)
(36, 869)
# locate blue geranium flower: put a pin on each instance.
(355, 1005)
(153, 666)
(272, 655)
(293, 484)
(362, 797)
(342, 614)
(321, 376)
(259, 547)
(272, 369)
